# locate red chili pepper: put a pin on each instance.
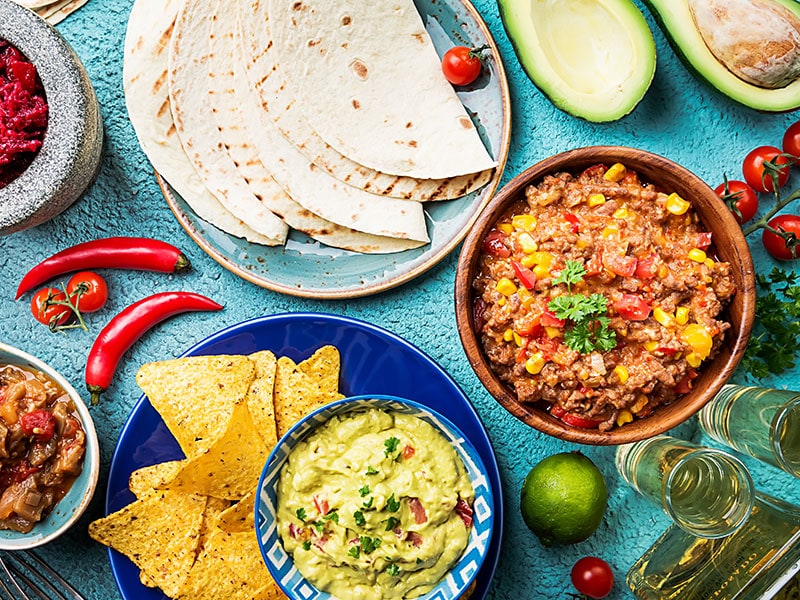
(128, 326)
(141, 254)
(574, 221)
(526, 277)
(575, 421)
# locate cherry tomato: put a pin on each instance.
(494, 244)
(778, 247)
(740, 198)
(462, 65)
(592, 577)
(753, 168)
(791, 140)
(47, 313)
(88, 291)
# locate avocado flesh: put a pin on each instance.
(676, 20)
(593, 59)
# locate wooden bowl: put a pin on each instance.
(730, 245)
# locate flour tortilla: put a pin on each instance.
(147, 99)
(200, 138)
(371, 86)
(320, 193)
(238, 126)
(270, 83)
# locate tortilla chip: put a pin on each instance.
(259, 397)
(271, 591)
(173, 519)
(211, 579)
(231, 466)
(143, 481)
(301, 389)
(195, 395)
(240, 516)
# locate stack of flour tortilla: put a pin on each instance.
(330, 117)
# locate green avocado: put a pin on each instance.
(748, 50)
(593, 59)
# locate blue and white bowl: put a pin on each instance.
(69, 509)
(281, 565)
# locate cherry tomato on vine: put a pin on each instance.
(742, 197)
(592, 577)
(754, 170)
(52, 315)
(778, 247)
(88, 291)
(791, 140)
(462, 65)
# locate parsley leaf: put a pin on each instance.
(590, 330)
(319, 525)
(572, 272)
(332, 516)
(391, 523)
(392, 505)
(368, 544)
(354, 551)
(368, 503)
(371, 471)
(301, 514)
(358, 516)
(391, 446)
(363, 491)
(393, 570)
(306, 545)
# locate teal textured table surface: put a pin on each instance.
(679, 118)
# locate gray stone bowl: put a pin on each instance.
(69, 158)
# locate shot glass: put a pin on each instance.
(761, 422)
(707, 492)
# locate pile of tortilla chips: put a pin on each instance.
(191, 528)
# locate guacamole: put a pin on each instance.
(374, 504)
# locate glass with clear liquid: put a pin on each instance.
(707, 492)
(761, 422)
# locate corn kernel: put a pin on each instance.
(663, 271)
(501, 301)
(542, 258)
(525, 297)
(518, 339)
(596, 200)
(610, 231)
(699, 338)
(709, 262)
(508, 335)
(506, 228)
(523, 222)
(676, 205)
(527, 243)
(682, 315)
(615, 172)
(697, 255)
(641, 402)
(527, 261)
(663, 317)
(621, 213)
(623, 417)
(650, 346)
(552, 332)
(535, 363)
(541, 271)
(693, 359)
(505, 286)
(621, 373)
(581, 244)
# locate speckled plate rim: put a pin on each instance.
(415, 267)
(85, 484)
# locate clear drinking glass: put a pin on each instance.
(761, 422)
(707, 492)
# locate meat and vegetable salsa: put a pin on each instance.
(42, 444)
(599, 296)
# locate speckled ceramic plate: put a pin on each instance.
(304, 267)
(373, 361)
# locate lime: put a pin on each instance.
(563, 499)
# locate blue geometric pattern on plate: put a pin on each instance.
(281, 565)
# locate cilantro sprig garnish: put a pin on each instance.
(772, 348)
(589, 314)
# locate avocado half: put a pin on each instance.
(593, 59)
(676, 19)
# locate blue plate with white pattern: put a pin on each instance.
(280, 563)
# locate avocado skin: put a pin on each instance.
(755, 101)
(596, 114)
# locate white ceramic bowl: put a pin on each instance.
(280, 564)
(70, 507)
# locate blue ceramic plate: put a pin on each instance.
(304, 267)
(374, 361)
(281, 565)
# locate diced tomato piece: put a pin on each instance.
(646, 267)
(464, 510)
(494, 244)
(632, 307)
(39, 423)
(667, 351)
(549, 319)
(408, 452)
(575, 421)
(624, 266)
(684, 386)
(574, 221)
(414, 538)
(321, 504)
(594, 265)
(524, 274)
(420, 516)
(594, 171)
(530, 329)
(704, 240)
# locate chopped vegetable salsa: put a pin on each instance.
(23, 113)
(42, 444)
(600, 296)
